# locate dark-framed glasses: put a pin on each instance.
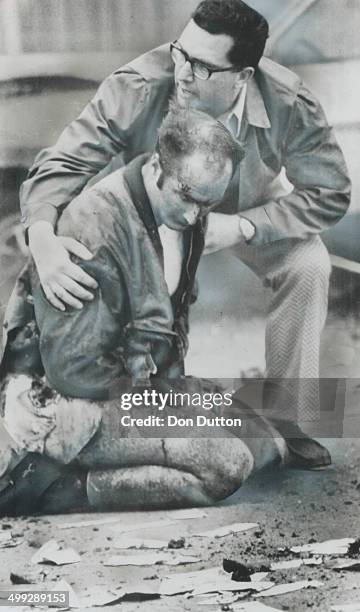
(199, 70)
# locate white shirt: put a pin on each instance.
(233, 118)
(173, 248)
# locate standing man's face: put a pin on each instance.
(217, 94)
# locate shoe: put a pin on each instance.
(67, 494)
(304, 453)
(27, 483)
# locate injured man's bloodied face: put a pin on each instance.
(191, 191)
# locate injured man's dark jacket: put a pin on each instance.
(65, 373)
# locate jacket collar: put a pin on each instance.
(255, 111)
(135, 183)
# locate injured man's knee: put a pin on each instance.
(65, 455)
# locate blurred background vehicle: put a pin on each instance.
(55, 52)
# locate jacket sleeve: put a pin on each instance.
(316, 167)
(84, 148)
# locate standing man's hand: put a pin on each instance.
(225, 231)
(63, 282)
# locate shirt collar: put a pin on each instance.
(235, 115)
(249, 104)
(255, 110)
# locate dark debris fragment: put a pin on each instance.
(354, 549)
(175, 544)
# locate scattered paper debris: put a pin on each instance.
(138, 543)
(282, 589)
(51, 552)
(90, 523)
(207, 581)
(351, 565)
(149, 558)
(186, 582)
(220, 532)
(329, 547)
(184, 515)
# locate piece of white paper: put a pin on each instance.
(258, 576)
(89, 523)
(218, 600)
(138, 543)
(284, 565)
(123, 528)
(150, 558)
(187, 581)
(329, 547)
(207, 581)
(313, 561)
(282, 589)
(99, 596)
(7, 541)
(231, 585)
(220, 532)
(349, 564)
(141, 587)
(51, 552)
(62, 585)
(184, 515)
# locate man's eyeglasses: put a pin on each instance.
(199, 70)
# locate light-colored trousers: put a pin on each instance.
(297, 273)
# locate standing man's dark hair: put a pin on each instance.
(246, 26)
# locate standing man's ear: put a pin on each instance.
(243, 77)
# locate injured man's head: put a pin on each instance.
(188, 175)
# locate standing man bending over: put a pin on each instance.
(216, 65)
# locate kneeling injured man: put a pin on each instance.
(65, 372)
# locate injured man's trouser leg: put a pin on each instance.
(67, 455)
